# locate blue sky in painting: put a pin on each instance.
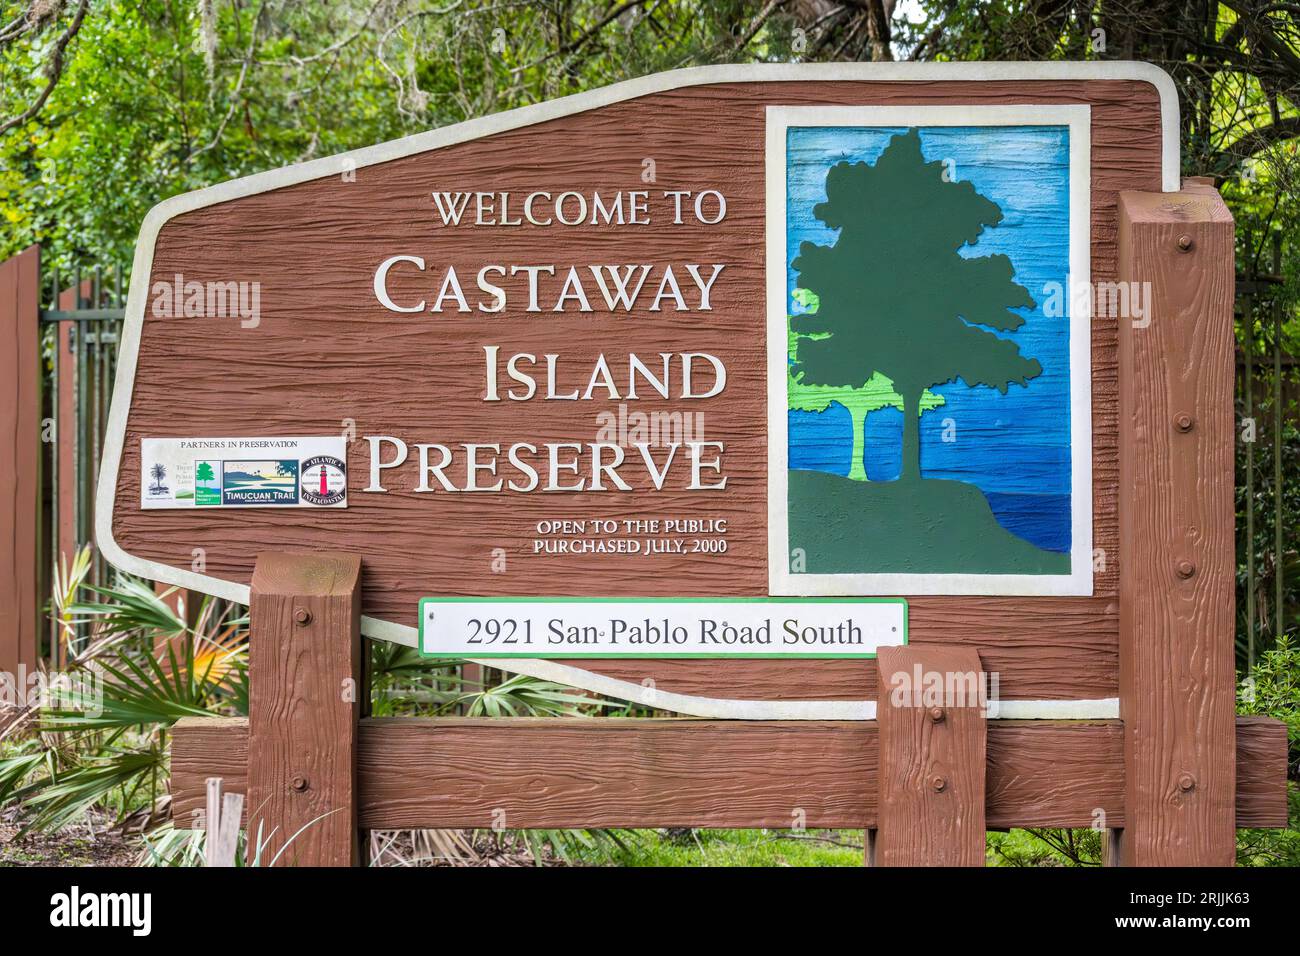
(1014, 447)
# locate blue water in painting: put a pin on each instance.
(1014, 447)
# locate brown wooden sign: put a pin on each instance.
(580, 350)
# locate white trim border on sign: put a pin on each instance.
(159, 215)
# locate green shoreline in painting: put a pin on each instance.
(929, 526)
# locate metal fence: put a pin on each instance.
(1266, 506)
(81, 323)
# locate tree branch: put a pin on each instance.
(1256, 141)
(239, 88)
(53, 70)
(580, 41)
(757, 24)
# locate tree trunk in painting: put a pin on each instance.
(911, 467)
(857, 470)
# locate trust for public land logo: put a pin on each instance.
(324, 480)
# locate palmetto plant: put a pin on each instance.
(522, 696)
(406, 683)
(102, 740)
(103, 743)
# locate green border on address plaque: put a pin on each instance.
(580, 655)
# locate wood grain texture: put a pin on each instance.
(1261, 763)
(454, 772)
(304, 661)
(932, 761)
(324, 352)
(20, 437)
(1177, 618)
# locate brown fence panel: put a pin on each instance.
(530, 772)
(20, 414)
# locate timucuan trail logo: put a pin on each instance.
(324, 480)
(261, 482)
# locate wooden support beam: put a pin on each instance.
(20, 443)
(304, 703)
(626, 772)
(1176, 552)
(932, 757)
(1261, 762)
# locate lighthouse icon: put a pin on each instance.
(324, 481)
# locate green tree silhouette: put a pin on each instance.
(877, 393)
(897, 297)
(204, 472)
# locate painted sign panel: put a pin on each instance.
(929, 374)
(493, 628)
(271, 472)
(559, 344)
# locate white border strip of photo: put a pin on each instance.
(783, 582)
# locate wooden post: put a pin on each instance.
(1111, 855)
(20, 439)
(1176, 557)
(305, 684)
(932, 758)
(222, 817)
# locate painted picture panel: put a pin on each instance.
(929, 401)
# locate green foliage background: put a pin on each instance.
(141, 112)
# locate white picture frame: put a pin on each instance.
(781, 580)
